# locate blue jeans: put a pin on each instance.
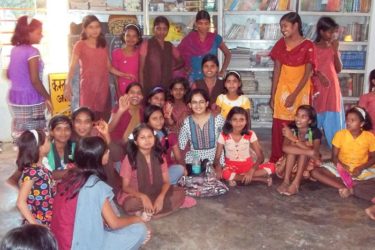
(175, 171)
(331, 122)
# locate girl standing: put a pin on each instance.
(178, 90)
(201, 128)
(159, 58)
(233, 95)
(126, 59)
(294, 58)
(84, 212)
(92, 55)
(328, 103)
(145, 179)
(367, 101)
(154, 117)
(28, 98)
(238, 142)
(199, 43)
(301, 143)
(210, 82)
(353, 149)
(60, 156)
(35, 197)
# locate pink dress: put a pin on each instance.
(367, 101)
(127, 64)
(94, 83)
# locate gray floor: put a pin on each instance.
(253, 217)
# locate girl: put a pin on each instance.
(294, 58)
(126, 59)
(233, 95)
(353, 149)
(301, 142)
(154, 117)
(238, 143)
(328, 103)
(367, 101)
(178, 90)
(84, 212)
(145, 179)
(35, 197)
(60, 156)
(210, 82)
(92, 55)
(201, 128)
(158, 97)
(28, 98)
(199, 43)
(159, 58)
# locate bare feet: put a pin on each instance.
(371, 212)
(269, 181)
(345, 193)
(232, 183)
(292, 189)
(283, 188)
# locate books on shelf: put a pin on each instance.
(362, 6)
(353, 59)
(251, 5)
(351, 84)
(254, 31)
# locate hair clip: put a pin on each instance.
(362, 111)
(36, 136)
(131, 136)
(234, 72)
(157, 88)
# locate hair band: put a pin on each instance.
(362, 111)
(156, 89)
(29, 20)
(134, 25)
(234, 72)
(36, 136)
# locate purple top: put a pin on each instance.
(22, 91)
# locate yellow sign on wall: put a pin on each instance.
(56, 87)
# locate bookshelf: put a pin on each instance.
(250, 29)
(354, 19)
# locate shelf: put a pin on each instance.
(106, 12)
(257, 12)
(353, 43)
(350, 98)
(259, 124)
(249, 41)
(259, 96)
(177, 13)
(347, 14)
(353, 71)
(249, 69)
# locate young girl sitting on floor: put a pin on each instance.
(238, 142)
(354, 150)
(84, 213)
(301, 142)
(233, 95)
(145, 178)
(201, 128)
(158, 97)
(178, 91)
(35, 197)
(154, 117)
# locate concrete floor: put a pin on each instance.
(253, 217)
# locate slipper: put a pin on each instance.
(188, 202)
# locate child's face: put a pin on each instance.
(131, 38)
(156, 120)
(203, 25)
(45, 148)
(288, 29)
(61, 133)
(178, 91)
(35, 36)
(238, 122)
(158, 99)
(83, 125)
(210, 69)
(232, 84)
(161, 31)
(93, 30)
(302, 119)
(135, 95)
(145, 139)
(198, 104)
(328, 35)
(353, 123)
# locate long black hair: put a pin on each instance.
(149, 110)
(312, 116)
(210, 58)
(325, 23)
(371, 78)
(132, 148)
(85, 110)
(363, 116)
(28, 148)
(293, 17)
(179, 80)
(228, 128)
(238, 77)
(134, 27)
(88, 157)
(87, 20)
